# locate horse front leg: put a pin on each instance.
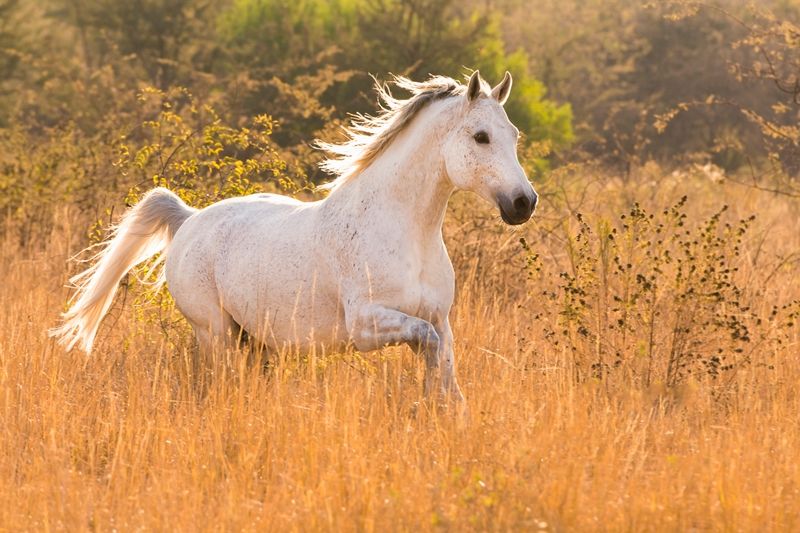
(374, 326)
(448, 363)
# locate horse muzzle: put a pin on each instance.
(519, 209)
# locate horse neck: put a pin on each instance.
(409, 179)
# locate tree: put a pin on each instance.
(309, 77)
(766, 72)
(162, 35)
(422, 37)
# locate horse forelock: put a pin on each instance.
(368, 136)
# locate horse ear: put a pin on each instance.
(503, 89)
(474, 86)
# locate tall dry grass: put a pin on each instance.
(134, 437)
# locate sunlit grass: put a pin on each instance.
(138, 437)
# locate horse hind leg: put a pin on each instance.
(222, 335)
(215, 331)
(255, 350)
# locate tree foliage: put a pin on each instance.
(625, 66)
(615, 81)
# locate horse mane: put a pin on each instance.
(369, 135)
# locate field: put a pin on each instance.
(576, 421)
(629, 356)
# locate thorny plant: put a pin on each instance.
(658, 300)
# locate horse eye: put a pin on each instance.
(481, 137)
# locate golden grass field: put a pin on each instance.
(135, 438)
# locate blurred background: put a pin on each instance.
(104, 97)
(590, 75)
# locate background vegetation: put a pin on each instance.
(629, 357)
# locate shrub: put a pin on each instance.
(188, 148)
(657, 299)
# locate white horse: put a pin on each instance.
(367, 265)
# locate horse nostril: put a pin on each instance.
(522, 205)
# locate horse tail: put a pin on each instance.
(145, 229)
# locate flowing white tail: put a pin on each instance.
(146, 229)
